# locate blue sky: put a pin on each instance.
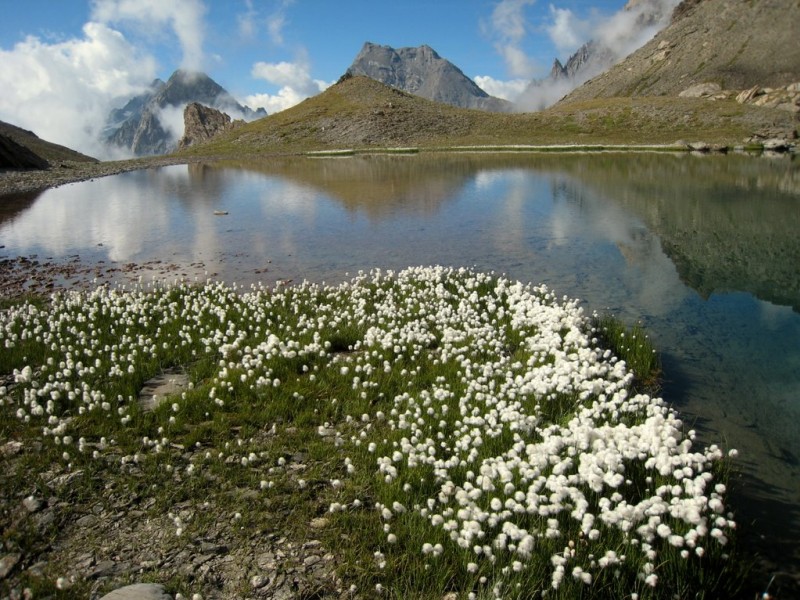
(88, 55)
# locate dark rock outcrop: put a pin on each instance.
(422, 72)
(201, 123)
(139, 127)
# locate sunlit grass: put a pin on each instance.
(457, 432)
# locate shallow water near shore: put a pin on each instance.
(702, 250)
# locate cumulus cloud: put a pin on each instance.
(507, 90)
(63, 91)
(185, 18)
(508, 26)
(294, 80)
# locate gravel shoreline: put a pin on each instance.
(25, 181)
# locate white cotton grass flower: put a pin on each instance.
(509, 431)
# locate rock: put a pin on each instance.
(701, 89)
(793, 88)
(202, 123)
(170, 382)
(11, 448)
(32, 504)
(776, 145)
(748, 94)
(139, 591)
(7, 564)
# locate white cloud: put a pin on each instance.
(294, 80)
(247, 21)
(184, 17)
(63, 91)
(567, 32)
(171, 119)
(508, 26)
(508, 19)
(277, 21)
(507, 90)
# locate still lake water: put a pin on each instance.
(704, 251)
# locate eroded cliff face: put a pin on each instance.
(202, 123)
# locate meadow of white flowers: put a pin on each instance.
(478, 421)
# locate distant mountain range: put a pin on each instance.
(152, 122)
(422, 72)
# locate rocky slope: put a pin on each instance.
(735, 44)
(141, 127)
(422, 72)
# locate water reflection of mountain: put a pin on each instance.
(728, 223)
(13, 205)
(381, 185)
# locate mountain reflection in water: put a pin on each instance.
(703, 250)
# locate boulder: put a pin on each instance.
(138, 591)
(700, 90)
(748, 94)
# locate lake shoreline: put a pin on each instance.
(24, 181)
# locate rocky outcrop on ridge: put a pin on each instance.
(422, 72)
(139, 127)
(735, 44)
(201, 123)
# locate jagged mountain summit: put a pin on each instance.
(152, 122)
(422, 72)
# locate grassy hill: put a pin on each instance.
(361, 113)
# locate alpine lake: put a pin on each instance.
(703, 251)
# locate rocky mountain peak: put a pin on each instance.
(143, 126)
(422, 72)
